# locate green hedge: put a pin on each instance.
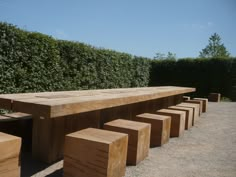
(87, 67)
(33, 62)
(206, 75)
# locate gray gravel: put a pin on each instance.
(206, 150)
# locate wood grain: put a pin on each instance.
(56, 104)
(9, 155)
(93, 152)
(177, 121)
(200, 102)
(160, 127)
(205, 103)
(139, 138)
(189, 115)
(195, 110)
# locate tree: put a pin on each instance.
(215, 48)
(169, 56)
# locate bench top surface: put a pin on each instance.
(170, 111)
(97, 135)
(55, 104)
(153, 116)
(127, 124)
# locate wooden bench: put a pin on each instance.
(195, 108)
(94, 152)
(160, 127)
(205, 103)
(196, 102)
(177, 121)
(139, 138)
(214, 97)
(9, 155)
(189, 115)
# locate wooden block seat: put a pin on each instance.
(177, 121)
(18, 124)
(160, 127)
(186, 98)
(94, 152)
(205, 103)
(195, 108)
(139, 138)
(9, 155)
(189, 115)
(214, 97)
(196, 102)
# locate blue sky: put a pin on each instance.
(138, 27)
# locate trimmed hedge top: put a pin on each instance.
(33, 62)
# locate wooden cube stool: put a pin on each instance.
(139, 138)
(186, 98)
(10, 147)
(196, 102)
(160, 127)
(94, 152)
(195, 108)
(214, 97)
(189, 115)
(18, 124)
(177, 121)
(205, 103)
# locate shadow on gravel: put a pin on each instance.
(30, 167)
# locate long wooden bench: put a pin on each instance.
(95, 152)
(177, 121)
(9, 155)
(139, 138)
(160, 127)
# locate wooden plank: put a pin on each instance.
(139, 138)
(205, 103)
(64, 103)
(160, 127)
(177, 121)
(189, 115)
(195, 110)
(105, 149)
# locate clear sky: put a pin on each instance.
(138, 27)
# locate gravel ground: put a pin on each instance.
(206, 150)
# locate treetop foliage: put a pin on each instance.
(215, 48)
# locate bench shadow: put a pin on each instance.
(30, 167)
